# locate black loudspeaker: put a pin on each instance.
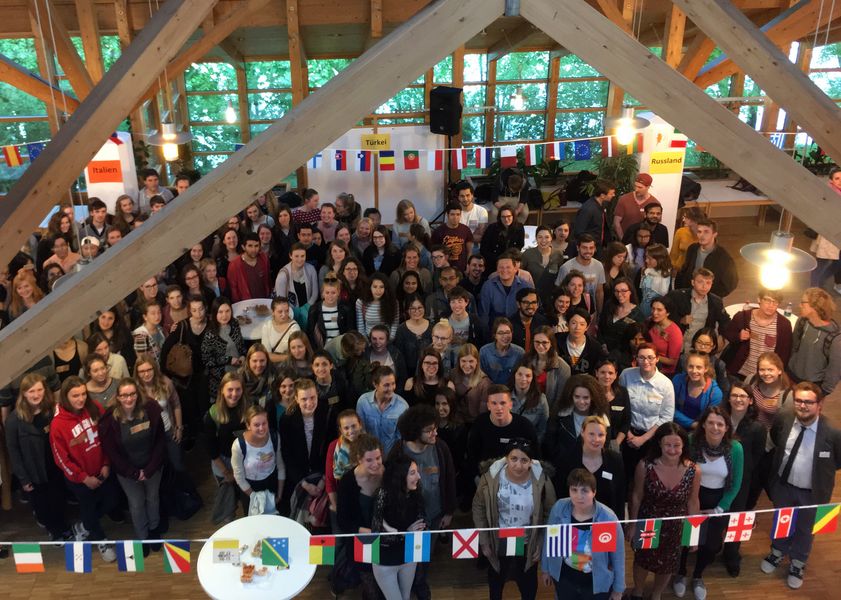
(445, 110)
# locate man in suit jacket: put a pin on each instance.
(807, 454)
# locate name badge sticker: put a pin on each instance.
(608, 476)
(824, 454)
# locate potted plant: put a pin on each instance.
(621, 170)
(814, 159)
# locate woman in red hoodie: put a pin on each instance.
(74, 438)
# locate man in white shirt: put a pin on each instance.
(472, 215)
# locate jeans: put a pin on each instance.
(799, 544)
(395, 582)
(93, 504)
(143, 502)
(513, 567)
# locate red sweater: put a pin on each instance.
(238, 282)
(74, 438)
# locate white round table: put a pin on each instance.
(222, 581)
(734, 309)
(253, 330)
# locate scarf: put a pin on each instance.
(702, 449)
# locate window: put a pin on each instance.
(323, 70)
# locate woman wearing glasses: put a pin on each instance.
(135, 442)
(382, 256)
(754, 331)
(620, 312)
(706, 340)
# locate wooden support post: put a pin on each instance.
(596, 40)
(34, 85)
(737, 88)
(760, 58)
(376, 19)
(298, 69)
(126, 35)
(552, 98)
(89, 28)
(68, 58)
(242, 106)
(373, 78)
(428, 84)
(673, 35)
(75, 144)
(490, 100)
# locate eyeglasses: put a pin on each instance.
(431, 363)
(529, 302)
(542, 343)
(419, 308)
(618, 291)
(441, 338)
(647, 358)
(769, 300)
(805, 402)
(127, 396)
(739, 396)
(331, 279)
(701, 344)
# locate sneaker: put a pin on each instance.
(679, 586)
(795, 574)
(770, 563)
(699, 589)
(80, 532)
(106, 551)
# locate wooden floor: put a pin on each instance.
(449, 578)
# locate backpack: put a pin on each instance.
(797, 336)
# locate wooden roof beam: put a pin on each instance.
(610, 9)
(674, 30)
(68, 58)
(32, 84)
(199, 49)
(791, 25)
(769, 67)
(510, 41)
(309, 127)
(64, 158)
(697, 55)
(89, 28)
(596, 40)
(297, 53)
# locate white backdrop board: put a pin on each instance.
(111, 173)
(424, 188)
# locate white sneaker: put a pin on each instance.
(80, 532)
(106, 551)
(699, 589)
(679, 586)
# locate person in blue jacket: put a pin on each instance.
(695, 390)
(585, 574)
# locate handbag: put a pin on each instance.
(179, 360)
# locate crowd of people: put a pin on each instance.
(410, 376)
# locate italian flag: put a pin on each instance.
(366, 549)
(692, 531)
(826, 519)
(28, 558)
(514, 540)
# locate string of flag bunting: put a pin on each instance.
(561, 541)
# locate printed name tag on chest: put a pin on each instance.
(139, 427)
(608, 476)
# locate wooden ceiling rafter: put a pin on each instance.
(89, 30)
(307, 128)
(770, 68)
(72, 147)
(34, 85)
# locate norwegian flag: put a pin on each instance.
(435, 160)
(459, 158)
(530, 154)
(363, 160)
(484, 157)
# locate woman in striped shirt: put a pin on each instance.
(377, 306)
